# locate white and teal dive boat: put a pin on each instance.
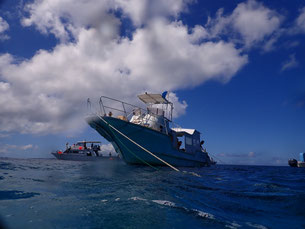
(145, 136)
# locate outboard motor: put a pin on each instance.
(293, 162)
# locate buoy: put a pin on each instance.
(59, 152)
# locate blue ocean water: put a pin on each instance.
(48, 193)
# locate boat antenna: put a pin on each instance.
(89, 105)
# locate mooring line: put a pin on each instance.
(213, 156)
(166, 163)
(145, 162)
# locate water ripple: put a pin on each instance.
(15, 194)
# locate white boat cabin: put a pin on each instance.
(155, 118)
(187, 140)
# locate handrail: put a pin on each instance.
(127, 112)
(101, 102)
(113, 108)
(124, 109)
(119, 101)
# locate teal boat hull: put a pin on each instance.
(158, 143)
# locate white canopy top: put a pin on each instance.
(153, 99)
(182, 130)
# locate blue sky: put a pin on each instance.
(238, 65)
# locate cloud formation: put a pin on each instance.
(142, 11)
(7, 148)
(106, 149)
(250, 21)
(47, 93)
(4, 26)
(65, 19)
(290, 63)
(248, 158)
(300, 21)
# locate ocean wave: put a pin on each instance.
(7, 166)
(15, 194)
(197, 212)
(254, 225)
(168, 203)
(202, 214)
(136, 198)
(165, 203)
(233, 225)
(102, 194)
(192, 173)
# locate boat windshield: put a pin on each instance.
(80, 144)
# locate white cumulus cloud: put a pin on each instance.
(26, 147)
(65, 18)
(300, 21)
(251, 20)
(290, 63)
(107, 148)
(8, 148)
(4, 26)
(142, 11)
(47, 93)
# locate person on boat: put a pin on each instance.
(201, 144)
(68, 148)
(95, 149)
(89, 153)
(179, 144)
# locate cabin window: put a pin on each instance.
(188, 141)
(195, 142)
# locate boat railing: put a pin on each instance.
(114, 107)
(175, 125)
(107, 105)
